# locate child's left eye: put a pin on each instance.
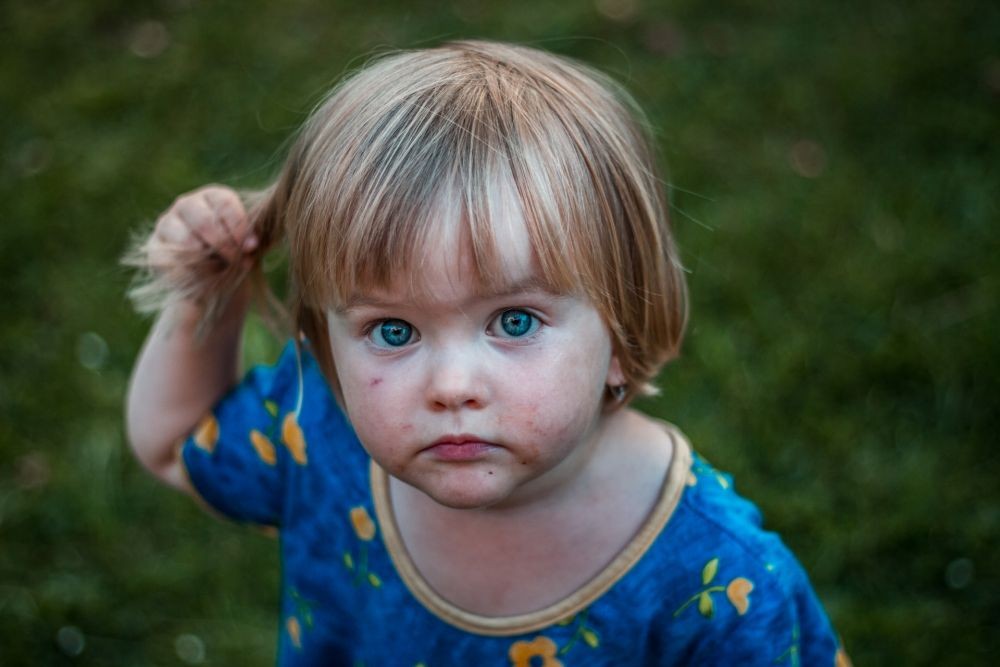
(514, 323)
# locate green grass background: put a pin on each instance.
(833, 170)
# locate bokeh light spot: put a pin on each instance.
(33, 157)
(190, 649)
(32, 471)
(149, 39)
(617, 10)
(807, 158)
(71, 640)
(91, 351)
(959, 573)
(664, 38)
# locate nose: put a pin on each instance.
(456, 380)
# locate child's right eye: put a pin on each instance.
(391, 333)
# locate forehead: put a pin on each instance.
(446, 267)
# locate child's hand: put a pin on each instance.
(210, 221)
(200, 253)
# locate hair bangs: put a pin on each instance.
(445, 166)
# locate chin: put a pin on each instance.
(466, 496)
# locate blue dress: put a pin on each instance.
(700, 584)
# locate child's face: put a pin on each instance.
(479, 400)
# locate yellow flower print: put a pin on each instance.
(264, 447)
(292, 437)
(207, 433)
(293, 625)
(842, 660)
(522, 652)
(738, 591)
(294, 629)
(364, 527)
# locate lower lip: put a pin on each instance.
(465, 451)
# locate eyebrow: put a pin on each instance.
(531, 284)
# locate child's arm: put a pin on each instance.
(179, 375)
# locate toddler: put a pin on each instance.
(481, 280)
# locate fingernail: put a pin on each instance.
(250, 242)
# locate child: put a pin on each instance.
(483, 278)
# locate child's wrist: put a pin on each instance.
(190, 314)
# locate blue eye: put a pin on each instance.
(518, 323)
(391, 333)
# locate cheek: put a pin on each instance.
(578, 371)
(558, 397)
(377, 410)
(364, 384)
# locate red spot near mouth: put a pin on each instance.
(375, 382)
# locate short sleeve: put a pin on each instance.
(771, 617)
(239, 456)
(738, 595)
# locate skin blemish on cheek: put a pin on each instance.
(375, 382)
(530, 455)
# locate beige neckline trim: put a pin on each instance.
(498, 626)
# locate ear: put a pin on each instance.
(615, 377)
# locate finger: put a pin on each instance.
(170, 229)
(168, 238)
(229, 208)
(204, 223)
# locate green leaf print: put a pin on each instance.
(708, 573)
(705, 605)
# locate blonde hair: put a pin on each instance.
(418, 138)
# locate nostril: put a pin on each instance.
(454, 382)
(444, 404)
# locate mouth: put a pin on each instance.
(459, 448)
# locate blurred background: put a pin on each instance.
(833, 185)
